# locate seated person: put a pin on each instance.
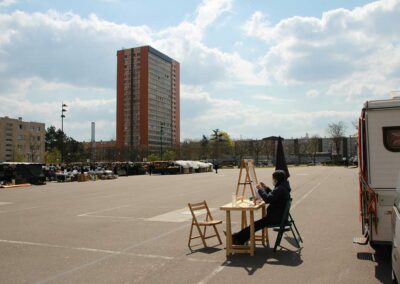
(276, 198)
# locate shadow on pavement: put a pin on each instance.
(264, 256)
(207, 250)
(382, 258)
(291, 241)
(284, 256)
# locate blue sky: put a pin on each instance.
(251, 68)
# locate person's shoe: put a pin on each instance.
(236, 242)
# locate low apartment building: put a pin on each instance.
(22, 141)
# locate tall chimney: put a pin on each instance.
(93, 132)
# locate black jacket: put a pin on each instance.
(276, 199)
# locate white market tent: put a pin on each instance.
(193, 164)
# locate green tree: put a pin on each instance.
(153, 157)
(53, 138)
(74, 151)
(18, 156)
(169, 155)
(222, 144)
(53, 156)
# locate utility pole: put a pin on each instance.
(62, 129)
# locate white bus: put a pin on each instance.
(379, 162)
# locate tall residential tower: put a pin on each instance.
(148, 87)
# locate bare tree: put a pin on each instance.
(336, 131)
(355, 124)
(288, 146)
(303, 148)
(257, 146)
(189, 150)
(204, 147)
(269, 147)
(239, 150)
(300, 148)
(313, 146)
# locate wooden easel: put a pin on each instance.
(250, 178)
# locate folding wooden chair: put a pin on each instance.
(286, 224)
(208, 221)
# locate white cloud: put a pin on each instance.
(202, 64)
(258, 26)
(312, 93)
(272, 99)
(7, 3)
(35, 99)
(350, 48)
(201, 112)
(210, 10)
(66, 46)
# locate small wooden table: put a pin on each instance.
(244, 207)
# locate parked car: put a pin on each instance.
(396, 235)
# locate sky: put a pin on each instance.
(252, 68)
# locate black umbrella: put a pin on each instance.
(280, 163)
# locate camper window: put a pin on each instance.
(391, 138)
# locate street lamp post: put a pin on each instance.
(62, 129)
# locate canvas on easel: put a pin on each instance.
(247, 178)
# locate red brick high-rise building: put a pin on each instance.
(148, 107)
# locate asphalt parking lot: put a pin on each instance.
(135, 230)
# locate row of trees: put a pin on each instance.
(218, 146)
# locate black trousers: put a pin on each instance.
(244, 235)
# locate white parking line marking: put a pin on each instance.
(204, 260)
(179, 215)
(49, 279)
(112, 252)
(103, 210)
(22, 209)
(109, 216)
(212, 274)
(305, 196)
(107, 196)
(310, 191)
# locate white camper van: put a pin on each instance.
(396, 235)
(379, 162)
